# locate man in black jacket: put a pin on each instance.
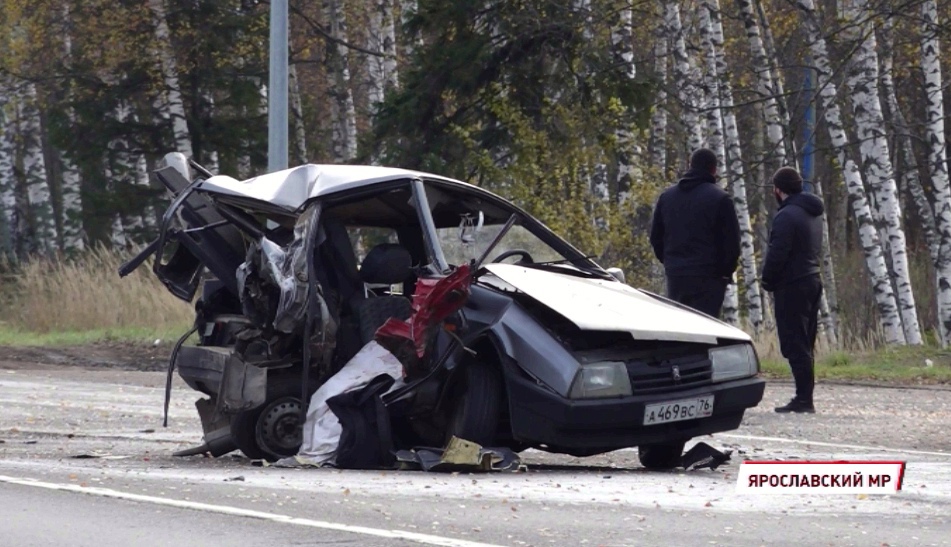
(696, 236)
(791, 273)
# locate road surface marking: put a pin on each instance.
(425, 539)
(834, 445)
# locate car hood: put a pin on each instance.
(595, 304)
(291, 188)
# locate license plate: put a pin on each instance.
(676, 411)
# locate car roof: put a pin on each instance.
(292, 188)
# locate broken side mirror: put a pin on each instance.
(618, 274)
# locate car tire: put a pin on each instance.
(477, 404)
(271, 431)
(661, 455)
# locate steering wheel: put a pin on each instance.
(525, 256)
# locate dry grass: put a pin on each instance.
(86, 294)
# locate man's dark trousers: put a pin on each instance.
(797, 310)
(704, 294)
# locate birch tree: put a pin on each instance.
(862, 78)
(343, 113)
(714, 124)
(829, 304)
(775, 76)
(299, 143)
(209, 156)
(687, 92)
(42, 221)
(8, 212)
(70, 183)
(736, 170)
(765, 88)
(381, 39)
(408, 9)
(623, 50)
(658, 134)
(123, 173)
(937, 161)
(868, 235)
(901, 131)
(711, 87)
(172, 104)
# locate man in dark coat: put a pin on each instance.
(791, 273)
(696, 236)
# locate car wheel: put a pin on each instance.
(272, 431)
(661, 456)
(477, 402)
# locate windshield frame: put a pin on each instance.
(572, 255)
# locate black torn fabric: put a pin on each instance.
(703, 456)
(459, 455)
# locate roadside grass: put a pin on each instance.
(143, 335)
(81, 300)
(902, 365)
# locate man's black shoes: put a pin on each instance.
(798, 407)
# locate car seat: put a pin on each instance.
(385, 264)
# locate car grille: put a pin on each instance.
(657, 376)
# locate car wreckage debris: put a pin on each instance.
(460, 455)
(703, 456)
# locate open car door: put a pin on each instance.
(192, 235)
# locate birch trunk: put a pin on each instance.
(42, 220)
(123, 174)
(687, 92)
(868, 235)
(736, 171)
(711, 84)
(938, 161)
(714, 122)
(829, 305)
(776, 153)
(338, 64)
(623, 48)
(73, 235)
(70, 185)
(905, 154)
(775, 76)
(142, 184)
(8, 212)
(260, 111)
(408, 9)
(209, 156)
(658, 137)
(172, 104)
(299, 147)
(381, 38)
(862, 78)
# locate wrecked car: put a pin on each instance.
(293, 272)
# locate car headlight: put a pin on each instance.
(604, 379)
(732, 362)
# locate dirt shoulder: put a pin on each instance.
(106, 354)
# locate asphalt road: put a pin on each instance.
(84, 461)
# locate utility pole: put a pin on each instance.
(277, 89)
